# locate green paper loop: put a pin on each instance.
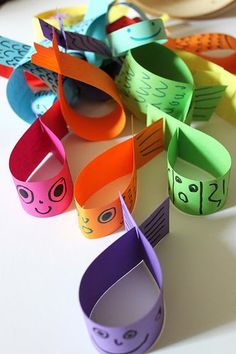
(153, 74)
(136, 35)
(194, 196)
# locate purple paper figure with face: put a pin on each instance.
(116, 261)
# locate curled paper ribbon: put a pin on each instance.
(120, 160)
(200, 43)
(51, 196)
(25, 99)
(70, 16)
(116, 261)
(107, 126)
(207, 73)
(75, 41)
(194, 196)
(136, 34)
(164, 80)
(160, 78)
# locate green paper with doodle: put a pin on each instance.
(194, 196)
(153, 74)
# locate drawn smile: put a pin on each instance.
(44, 212)
(87, 230)
(132, 351)
(146, 38)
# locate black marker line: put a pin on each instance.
(155, 142)
(208, 99)
(210, 93)
(201, 190)
(149, 136)
(213, 107)
(154, 237)
(154, 216)
(149, 152)
(147, 228)
(155, 229)
(226, 38)
(223, 186)
(173, 186)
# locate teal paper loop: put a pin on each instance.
(153, 74)
(136, 35)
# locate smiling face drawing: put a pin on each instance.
(136, 35)
(130, 341)
(44, 204)
(149, 33)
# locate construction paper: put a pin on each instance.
(160, 78)
(121, 22)
(107, 126)
(51, 196)
(70, 16)
(136, 34)
(121, 160)
(109, 267)
(191, 195)
(76, 41)
(207, 73)
(202, 42)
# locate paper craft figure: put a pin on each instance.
(120, 160)
(162, 79)
(114, 263)
(135, 34)
(107, 126)
(194, 196)
(51, 196)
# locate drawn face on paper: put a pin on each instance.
(144, 31)
(44, 204)
(93, 225)
(194, 196)
(132, 340)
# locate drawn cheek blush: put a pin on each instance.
(125, 329)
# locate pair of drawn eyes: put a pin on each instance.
(103, 334)
(56, 193)
(192, 187)
(129, 29)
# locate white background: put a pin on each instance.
(42, 260)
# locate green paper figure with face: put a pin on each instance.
(200, 196)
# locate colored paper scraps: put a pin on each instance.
(135, 246)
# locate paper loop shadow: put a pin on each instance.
(51, 196)
(136, 34)
(110, 266)
(194, 196)
(91, 128)
(121, 160)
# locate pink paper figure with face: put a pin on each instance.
(51, 196)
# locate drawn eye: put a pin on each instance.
(25, 194)
(153, 23)
(128, 30)
(101, 333)
(107, 215)
(58, 190)
(193, 188)
(178, 179)
(130, 334)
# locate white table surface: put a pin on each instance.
(43, 260)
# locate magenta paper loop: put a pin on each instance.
(114, 263)
(51, 196)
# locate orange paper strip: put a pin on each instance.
(121, 160)
(107, 126)
(199, 43)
